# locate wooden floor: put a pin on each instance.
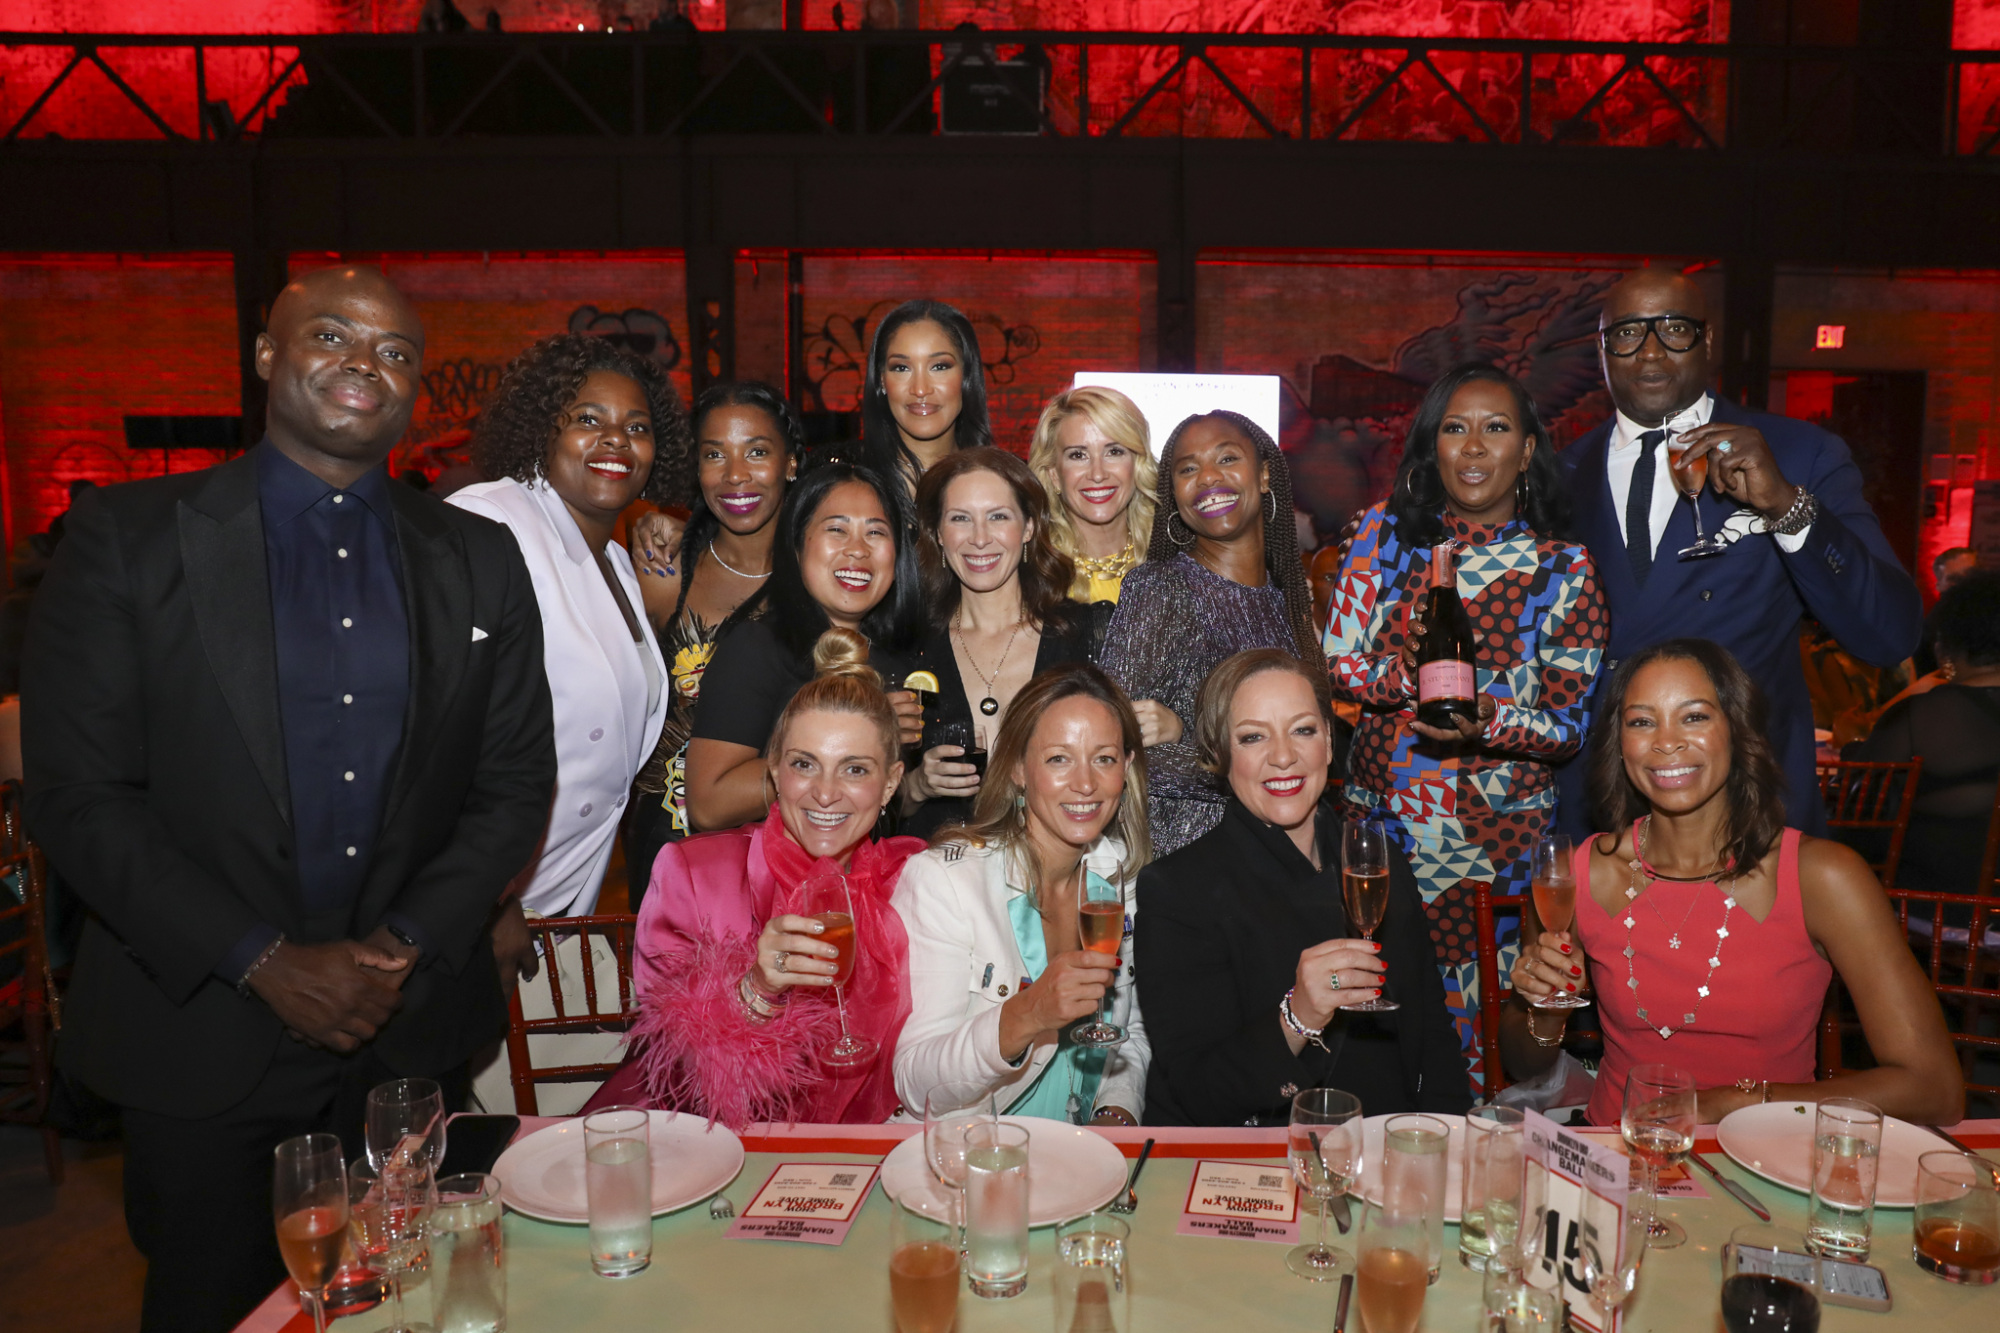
(66, 1265)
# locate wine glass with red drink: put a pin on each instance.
(828, 900)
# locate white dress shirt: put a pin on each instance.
(607, 690)
(1621, 460)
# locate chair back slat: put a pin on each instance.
(1866, 794)
(1487, 906)
(600, 1009)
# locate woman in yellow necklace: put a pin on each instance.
(1093, 456)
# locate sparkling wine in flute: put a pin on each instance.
(1689, 476)
(923, 1285)
(310, 1241)
(839, 933)
(1555, 902)
(1364, 883)
(1367, 894)
(1102, 925)
(1390, 1285)
(1446, 683)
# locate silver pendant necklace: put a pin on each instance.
(988, 705)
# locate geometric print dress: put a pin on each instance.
(1470, 812)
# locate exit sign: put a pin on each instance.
(1830, 336)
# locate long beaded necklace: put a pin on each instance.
(989, 705)
(1638, 868)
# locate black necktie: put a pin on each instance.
(1639, 509)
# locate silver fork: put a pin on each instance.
(1129, 1200)
(720, 1209)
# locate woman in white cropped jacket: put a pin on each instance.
(998, 974)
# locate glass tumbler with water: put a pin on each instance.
(468, 1256)
(1093, 1291)
(1416, 1152)
(1490, 1205)
(996, 1209)
(618, 1178)
(1846, 1157)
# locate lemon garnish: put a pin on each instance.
(921, 680)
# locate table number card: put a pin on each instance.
(1242, 1201)
(814, 1202)
(1574, 1163)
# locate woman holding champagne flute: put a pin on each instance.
(1017, 920)
(743, 931)
(1712, 928)
(1261, 972)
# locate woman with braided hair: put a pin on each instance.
(1222, 575)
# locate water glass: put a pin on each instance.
(1093, 1291)
(1846, 1155)
(1398, 1261)
(388, 1218)
(468, 1256)
(405, 1123)
(1530, 1310)
(949, 1110)
(996, 1209)
(1490, 1202)
(1416, 1155)
(1956, 1230)
(618, 1178)
(923, 1270)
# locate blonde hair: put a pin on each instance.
(1120, 420)
(843, 682)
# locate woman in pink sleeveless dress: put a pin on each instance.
(1710, 929)
(733, 1005)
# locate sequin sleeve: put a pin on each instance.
(1570, 641)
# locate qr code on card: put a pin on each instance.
(1272, 1182)
(844, 1180)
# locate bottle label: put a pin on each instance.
(1445, 680)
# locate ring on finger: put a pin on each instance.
(1334, 978)
(1723, 446)
(778, 961)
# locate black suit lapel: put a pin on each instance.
(437, 596)
(222, 552)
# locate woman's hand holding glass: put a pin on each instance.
(1072, 987)
(1548, 967)
(945, 773)
(807, 961)
(909, 716)
(1358, 964)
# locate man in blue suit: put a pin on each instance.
(1783, 496)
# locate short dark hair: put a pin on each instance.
(881, 442)
(1045, 572)
(1754, 800)
(1417, 496)
(702, 522)
(1967, 620)
(519, 421)
(795, 617)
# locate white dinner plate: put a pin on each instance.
(1775, 1141)
(1071, 1172)
(1374, 1131)
(542, 1174)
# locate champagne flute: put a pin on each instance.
(388, 1216)
(1364, 882)
(949, 1109)
(406, 1123)
(1325, 1148)
(309, 1197)
(1555, 903)
(1658, 1126)
(1610, 1248)
(1395, 1269)
(1689, 477)
(1100, 909)
(829, 901)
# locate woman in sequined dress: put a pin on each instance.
(1221, 576)
(1469, 803)
(1094, 457)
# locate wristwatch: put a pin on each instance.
(402, 935)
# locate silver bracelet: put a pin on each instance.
(757, 1006)
(243, 982)
(1299, 1029)
(1805, 508)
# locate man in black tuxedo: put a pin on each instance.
(287, 734)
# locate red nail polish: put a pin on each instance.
(1563, 947)
(1568, 986)
(1576, 971)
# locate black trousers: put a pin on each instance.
(198, 1192)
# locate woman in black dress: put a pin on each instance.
(925, 392)
(1243, 955)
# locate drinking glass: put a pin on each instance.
(1956, 1230)
(1364, 884)
(1531, 1310)
(996, 1209)
(1610, 1248)
(309, 1199)
(1396, 1263)
(618, 1181)
(828, 900)
(1761, 1303)
(1325, 1148)
(1416, 1156)
(388, 1217)
(1100, 908)
(405, 1123)
(923, 1271)
(1093, 1289)
(1658, 1126)
(1555, 903)
(468, 1256)
(1846, 1157)
(1689, 478)
(1489, 1207)
(949, 1110)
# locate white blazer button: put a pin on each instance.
(585, 812)
(597, 733)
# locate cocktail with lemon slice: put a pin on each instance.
(925, 686)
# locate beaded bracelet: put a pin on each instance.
(758, 1007)
(243, 982)
(1298, 1028)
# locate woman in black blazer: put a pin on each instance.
(1243, 935)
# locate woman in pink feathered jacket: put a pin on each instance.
(732, 983)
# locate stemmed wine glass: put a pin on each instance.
(1325, 1148)
(1100, 908)
(1364, 882)
(1689, 478)
(1609, 1248)
(828, 900)
(1555, 903)
(309, 1197)
(406, 1123)
(1658, 1126)
(949, 1110)
(389, 1212)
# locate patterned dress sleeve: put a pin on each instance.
(1569, 641)
(1361, 672)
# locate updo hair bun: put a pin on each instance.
(844, 652)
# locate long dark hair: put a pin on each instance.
(702, 522)
(796, 618)
(1753, 802)
(1045, 572)
(1417, 497)
(881, 442)
(1281, 535)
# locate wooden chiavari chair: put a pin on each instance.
(597, 1009)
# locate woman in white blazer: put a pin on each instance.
(998, 974)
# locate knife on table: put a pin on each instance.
(1741, 1195)
(1340, 1311)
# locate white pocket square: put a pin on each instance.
(477, 634)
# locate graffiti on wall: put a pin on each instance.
(836, 354)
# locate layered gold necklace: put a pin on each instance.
(1108, 566)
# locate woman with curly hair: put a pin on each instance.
(1094, 457)
(1222, 576)
(925, 391)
